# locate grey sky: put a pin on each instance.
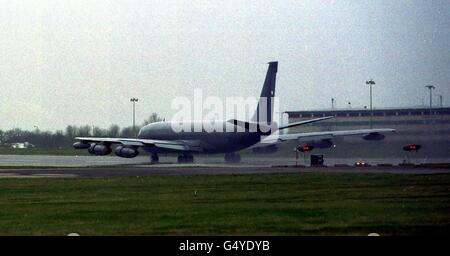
(80, 62)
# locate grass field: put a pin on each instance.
(262, 204)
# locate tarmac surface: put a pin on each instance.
(92, 166)
(254, 160)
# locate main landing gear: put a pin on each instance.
(154, 158)
(185, 158)
(232, 158)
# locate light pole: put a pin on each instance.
(134, 100)
(431, 88)
(370, 83)
(332, 103)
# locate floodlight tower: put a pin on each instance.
(431, 88)
(370, 83)
(134, 100)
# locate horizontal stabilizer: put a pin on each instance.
(304, 122)
(251, 126)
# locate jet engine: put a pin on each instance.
(99, 149)
(81, 145)
(126, 152)
(373, 136)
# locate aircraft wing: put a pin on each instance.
(179, 145)
(278, 138)
(304, 122)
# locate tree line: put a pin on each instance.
(60, 138)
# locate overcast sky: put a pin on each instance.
(80, 62)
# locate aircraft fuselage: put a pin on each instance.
(225, 140)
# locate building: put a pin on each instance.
(413, 126)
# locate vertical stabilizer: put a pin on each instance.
(264, 111)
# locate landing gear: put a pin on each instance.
(232, 158)
(154, 159)
(185, 158)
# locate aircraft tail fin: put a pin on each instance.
(264, 111)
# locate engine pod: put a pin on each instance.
(126, 152)
(374, 136)
(99, 149)
(81, 145)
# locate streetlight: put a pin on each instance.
(332, 103)
(431, 88)
(370, 83)
(134, 100)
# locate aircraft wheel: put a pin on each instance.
(185, 159)
(237, 158)
(232, 158)
(154, 158)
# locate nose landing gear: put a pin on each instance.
(232, 158)
(185, 158)
(154, 158)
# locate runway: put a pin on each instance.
(66, 161)
(253, 160)
(91, 166)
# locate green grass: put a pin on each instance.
(263, 204)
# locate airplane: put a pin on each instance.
(159, 137)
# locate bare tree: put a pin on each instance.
(114, 131)
(71, 131)
(152, 119)
(99, 132)
(84, 130)
(127, 132)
